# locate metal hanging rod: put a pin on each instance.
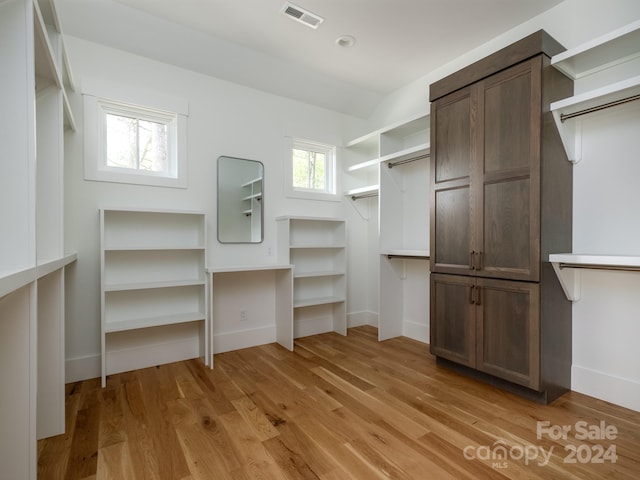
(398, 255)
(566, 116)
(408, 160)
(364, 195)
(623, 268)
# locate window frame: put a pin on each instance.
(96, 168)
(331, 170)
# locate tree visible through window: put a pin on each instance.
(136, 144)
(312, 167)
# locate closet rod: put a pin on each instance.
(566, 116)
(364, 195)
(623, 268)
(408, 160)
(398, 255)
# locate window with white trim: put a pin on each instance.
(134, 144)
(312, 169)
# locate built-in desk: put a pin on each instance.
(280, 285)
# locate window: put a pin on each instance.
(312, 169)
(132, 144)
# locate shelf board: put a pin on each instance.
(596, 261)
(597, 97)
(49, 266)
(248, 268)
(120, 287)
(609, 95)
(251, 182)
(420, 254)
(14, 280)
(406, 154)
(600, 53)
(406, 124)
(158, 248)
(310, 302)
(255, 195)
(317, 245)
(361, 192)
(362, 165)
(122, 326)
(318, 274)
(568, 265)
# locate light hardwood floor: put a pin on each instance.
(335, 408)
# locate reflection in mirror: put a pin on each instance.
(240, 200)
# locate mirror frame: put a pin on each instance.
(260, 200)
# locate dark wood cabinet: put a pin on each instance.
(501, 192)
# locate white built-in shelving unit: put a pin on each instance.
(35, 112)
(153, 280)
(316, 247)
(392, 163)
(609, 67)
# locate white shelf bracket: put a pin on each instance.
(571, 135)
(570, 280)
(357, 205)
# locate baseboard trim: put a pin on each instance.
(357, 319)
(82, 368)
(226, 342)
(416, 331)
(617, 390)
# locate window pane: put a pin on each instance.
(301, 168)
(121, 141)
(318, 171)
(152, 146)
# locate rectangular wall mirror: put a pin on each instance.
(240, 200)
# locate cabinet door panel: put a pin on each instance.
(452, 155)
(506, 233)
(508, 193)
(452, 319)
(451, 229)
(453, 138)
(508, 331)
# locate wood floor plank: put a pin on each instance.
(336, 408)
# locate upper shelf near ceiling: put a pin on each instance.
(614, 54)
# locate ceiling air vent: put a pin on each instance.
(301, 15)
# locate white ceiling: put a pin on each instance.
(397, 41)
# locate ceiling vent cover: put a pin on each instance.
(301, 15)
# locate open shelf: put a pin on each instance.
(310, 302)
(602, 52)
(156, 321)
(568, 265)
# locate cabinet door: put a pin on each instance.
(508, 330)
(508, 185)
(452, 152)
(453, 330)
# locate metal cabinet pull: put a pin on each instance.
(471, 291)
(478, 296)
(472, 260)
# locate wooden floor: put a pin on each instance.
(335, 408)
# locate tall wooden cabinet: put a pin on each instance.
(501, 192)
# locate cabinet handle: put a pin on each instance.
(471, 291)
(472, 260)
(479, 262)
(478, 296)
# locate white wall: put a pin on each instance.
(224, 119)
(606, 360)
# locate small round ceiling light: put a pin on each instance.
(345, 41)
